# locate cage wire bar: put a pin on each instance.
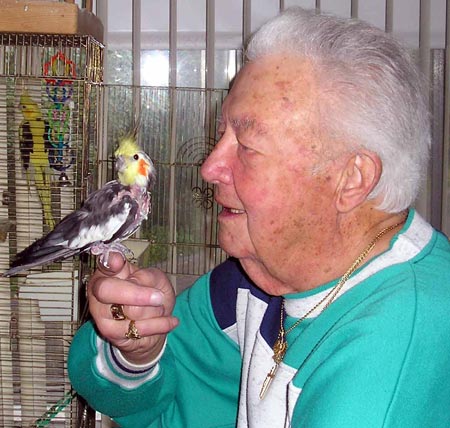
(171, 226)
(48, 131)
(171, 182)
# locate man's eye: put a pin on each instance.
(220, 132)
(243, 148)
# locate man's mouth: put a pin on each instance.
(229, 210)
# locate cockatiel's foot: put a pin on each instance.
(103, 251)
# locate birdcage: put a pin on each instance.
(49, 96)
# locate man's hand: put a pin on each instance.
(148, 299)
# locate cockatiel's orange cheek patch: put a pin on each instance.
(142, 168)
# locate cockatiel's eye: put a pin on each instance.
(136, 157)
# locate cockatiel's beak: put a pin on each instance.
(151, 173)
(119, 163)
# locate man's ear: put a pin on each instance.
(359, 177)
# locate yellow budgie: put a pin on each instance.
(34, 153)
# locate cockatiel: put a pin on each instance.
(107, 217)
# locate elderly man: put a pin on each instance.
(333, 311)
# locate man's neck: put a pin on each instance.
(330, 257)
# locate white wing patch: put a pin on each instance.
(99, 232)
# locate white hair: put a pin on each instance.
(371, 93)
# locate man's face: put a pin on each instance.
(263, 167)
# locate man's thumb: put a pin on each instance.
(113, 265)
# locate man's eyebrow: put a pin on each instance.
(242, 123)
(249, 123)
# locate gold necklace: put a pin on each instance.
(281, 345)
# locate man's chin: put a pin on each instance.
(233, 245)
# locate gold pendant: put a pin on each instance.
(279, 350)
(267, 381)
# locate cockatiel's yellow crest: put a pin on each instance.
(127, 147)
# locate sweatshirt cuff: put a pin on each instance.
(137, 367)
(113, 366)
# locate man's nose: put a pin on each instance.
(217, 168)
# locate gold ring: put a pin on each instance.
(132, 332)
(117, 312)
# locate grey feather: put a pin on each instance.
(112, 203)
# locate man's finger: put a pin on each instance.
(116, 290)
(116, 330)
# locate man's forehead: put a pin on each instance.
(265, 83)
(263, 93)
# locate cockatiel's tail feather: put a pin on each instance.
(28, 260)
(108, 216)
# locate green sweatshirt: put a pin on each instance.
(378, 356)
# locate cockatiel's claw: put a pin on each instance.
(103, 250)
